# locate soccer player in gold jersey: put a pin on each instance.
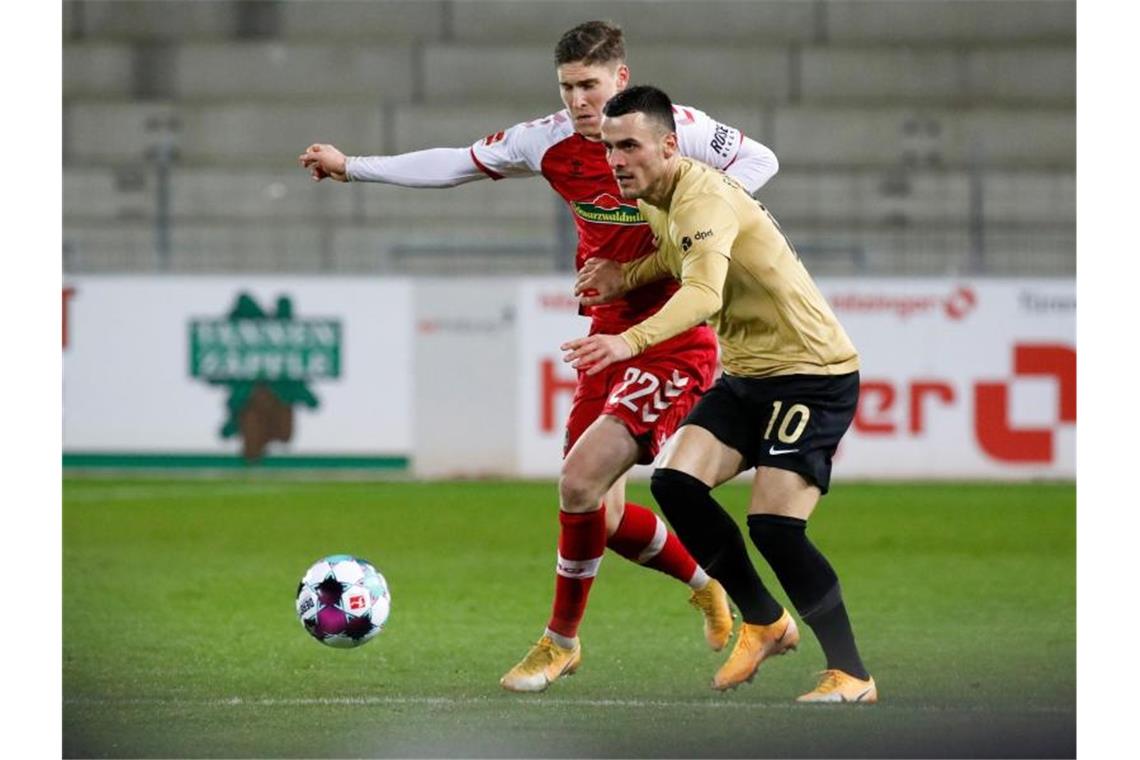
(787, 395)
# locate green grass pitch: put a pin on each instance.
(180, 638)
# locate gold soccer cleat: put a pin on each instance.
(837, 686)
(712, 601)
(754, 644)
(543, 664)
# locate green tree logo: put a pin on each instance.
(267, 362)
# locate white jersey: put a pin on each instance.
(523, 149)
(576, 168)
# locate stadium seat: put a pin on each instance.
(893, 122)
(961, 21)
(879, 75)
(935, 136)
(471, 248)
(98, 69)
(146, 21)
(367, 23)
(294, 71)
(458, 73)
(868, 196)
(718, 21)
(1032, 75)
(270, 133)
(1035, 74)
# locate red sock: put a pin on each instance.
(643, 538)
(581, 543)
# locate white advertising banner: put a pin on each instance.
(960, 379)
(973, 378)
(229, 365)
(547, 317)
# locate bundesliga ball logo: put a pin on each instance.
(343, 601)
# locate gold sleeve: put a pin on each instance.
(698, 298)
(705, 230)
(645, 270)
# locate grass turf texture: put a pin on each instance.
(180, 638)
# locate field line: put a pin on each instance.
(536, 701)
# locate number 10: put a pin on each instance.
(785, 434)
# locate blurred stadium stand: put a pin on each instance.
(914, 137)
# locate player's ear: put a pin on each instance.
(622, 76)
(669, 144)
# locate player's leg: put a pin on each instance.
(639, 535)
(650, 395)
(696, 461)
(782, 502)
(599, 456)
(785, 492)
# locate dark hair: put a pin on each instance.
(591, 42)
(645, 99)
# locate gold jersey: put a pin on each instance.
(738, 271)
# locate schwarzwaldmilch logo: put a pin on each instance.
(607, 209)
(267, 362)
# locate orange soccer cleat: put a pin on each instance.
(712, 601)
(837, 686)
(754, 644)
(545, 663)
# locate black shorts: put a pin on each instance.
(793, 422)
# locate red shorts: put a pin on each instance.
(651, 393)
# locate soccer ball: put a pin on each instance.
(343, 601)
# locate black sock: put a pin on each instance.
(811, 584)
(714, 540)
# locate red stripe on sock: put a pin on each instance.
(581, 537)
(674, 559)
(635, 532)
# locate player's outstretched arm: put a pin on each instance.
(435, 167)
(324, 162)
(513, 152)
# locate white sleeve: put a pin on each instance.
(436, 167)
(754, 164)
(723, 147)
(518, 151)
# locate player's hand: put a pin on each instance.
(324, 161)
(595, 353)
(599, 280)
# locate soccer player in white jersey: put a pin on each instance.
(624, 415)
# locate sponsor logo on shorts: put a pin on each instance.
(772, 450)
